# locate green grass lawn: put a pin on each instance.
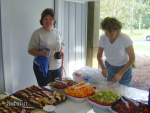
(138, 35)
(141, 47)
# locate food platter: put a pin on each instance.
(61, 91)
(76, 99)
(81, 91)
(38, 111)
(9, 104)
(40, 96)
(3, 95)
(62, 83)
(99, 105)
(110, 108)
(103, 99)
(119, 107)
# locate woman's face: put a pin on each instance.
(112, 35)
(48, 22)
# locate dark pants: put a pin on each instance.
(51, 75)
(113, 70)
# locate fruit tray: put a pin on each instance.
(120, 107)
(79, 93)
(40, 96)
(11, 104)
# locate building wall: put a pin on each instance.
(75, 36)
(19, 19)
(1, 60)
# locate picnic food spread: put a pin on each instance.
(35, 99)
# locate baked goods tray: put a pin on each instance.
(9, 103)
(40, 96)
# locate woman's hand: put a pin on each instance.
(117, 77)
(105, 73)
(45, 53)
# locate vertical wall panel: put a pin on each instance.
(66, 37)
(84, 34)
(78, 35)
(1, 58)
(74, 36)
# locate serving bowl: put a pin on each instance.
(38, 111)
(103, 99)
(120, 107)
(49, 108)
(77, 99)
(99, 105)
(82, 92)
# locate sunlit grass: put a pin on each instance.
(137, 34)
(141, 47)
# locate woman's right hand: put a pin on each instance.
(45, 53)
(104, 73)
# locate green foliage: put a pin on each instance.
(134, 14)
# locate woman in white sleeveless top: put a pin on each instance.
(118, 50)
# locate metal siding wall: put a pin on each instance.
(83, 35)
(74, 36)
(78, 35)
(66, 36)
(1, 58)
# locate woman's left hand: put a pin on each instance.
(117, 77)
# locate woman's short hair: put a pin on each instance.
(47, 11)
(111, 24)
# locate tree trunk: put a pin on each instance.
(140, 21)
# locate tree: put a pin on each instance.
(134, 14)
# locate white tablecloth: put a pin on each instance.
(70, 106)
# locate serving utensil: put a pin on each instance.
(74, 87)
(61, 81)
(133, 101)
(126, 102)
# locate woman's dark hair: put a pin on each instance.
(47, 11)
(111, 24)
